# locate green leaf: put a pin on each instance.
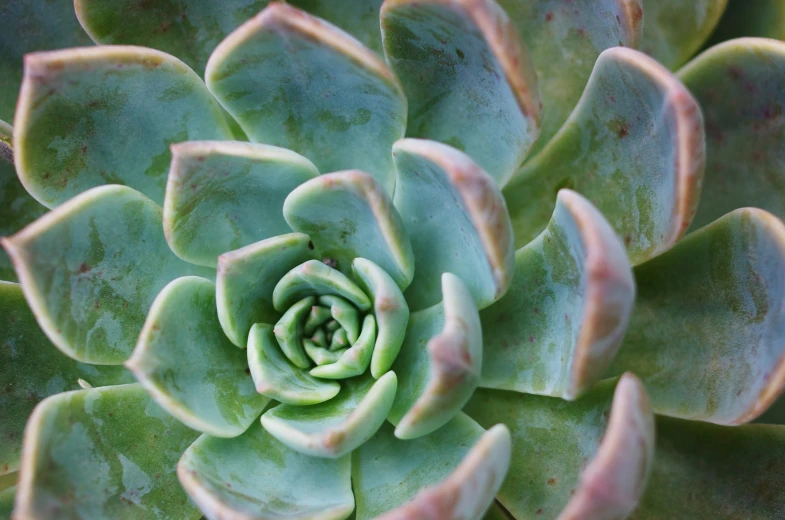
(222, 196)
(345, 314)
(246, 280)
(559, 326)
(674, 30)
(634, 147)
(468, 492)
(91, 268)
(336, 427)
(741, 88)
(707, 335)
(7, 501)
(354, 361)
(32, 369)
(439, 364)
(28, 27)
(468, 78)
(587, 459)
(349, 215)
(564, 40)
(390, 310)
(451, 206)
(388, 472)
(295, 81)
(289, 332)
(360, 18)
(277, 378)
(103, 453)
(190, 367)
(187, 29)
(315, 278)
(17, 207)
(708, 471)
(255, 477)
(107, 115)
(744, 18)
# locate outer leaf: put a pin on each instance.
(295, 81)
(707, 332)
(451, 206)
(673, 30)
(17, 207)
(742, 18)
(360, 18)
(246, 279)
(7, 501)
(388, 472)
(189, 367)
(102, 453)
(28, 27)
(91, 268)
(255, 477)
(349, 215)
(559, 326)
(187, 29)
(107, 115)
(633, 146)
(222, 196)
(277, 378)
(338, 426)
(390, 310)
(590, 457)
(439, 364)
(564, 40)
(708, 471)
(32, 369)
(741, 88)
(469, 490)
(467, 76)
(316, 278)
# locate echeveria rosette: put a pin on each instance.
(308, 263)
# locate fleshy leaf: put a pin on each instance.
(741, 88)
(360, 18)
(315, 278)
(390, 310)
(388, 472)
(707, 335)
(91, 268)
(17, 207)
(633, 146)
(289, 331)
(320, 355)
(190, 367)
(707, 471)
(469, 490)
(439, 364)
(559, 326)
(354, 361)
(277, 378)
(187, 29)
(102, 453)
(467, 76)
(32, 369)
(7, 496)
(450, 205)
(564, 40)
(589, 457)
(295, 81)
(255, 477)
(246, 279)
(345, 314)
(673, 30)
(226, 195)
(28, 27)
(349, 215)
(107, 115)
(338, 426)
(744, 18)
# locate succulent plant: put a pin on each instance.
(406, 259)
